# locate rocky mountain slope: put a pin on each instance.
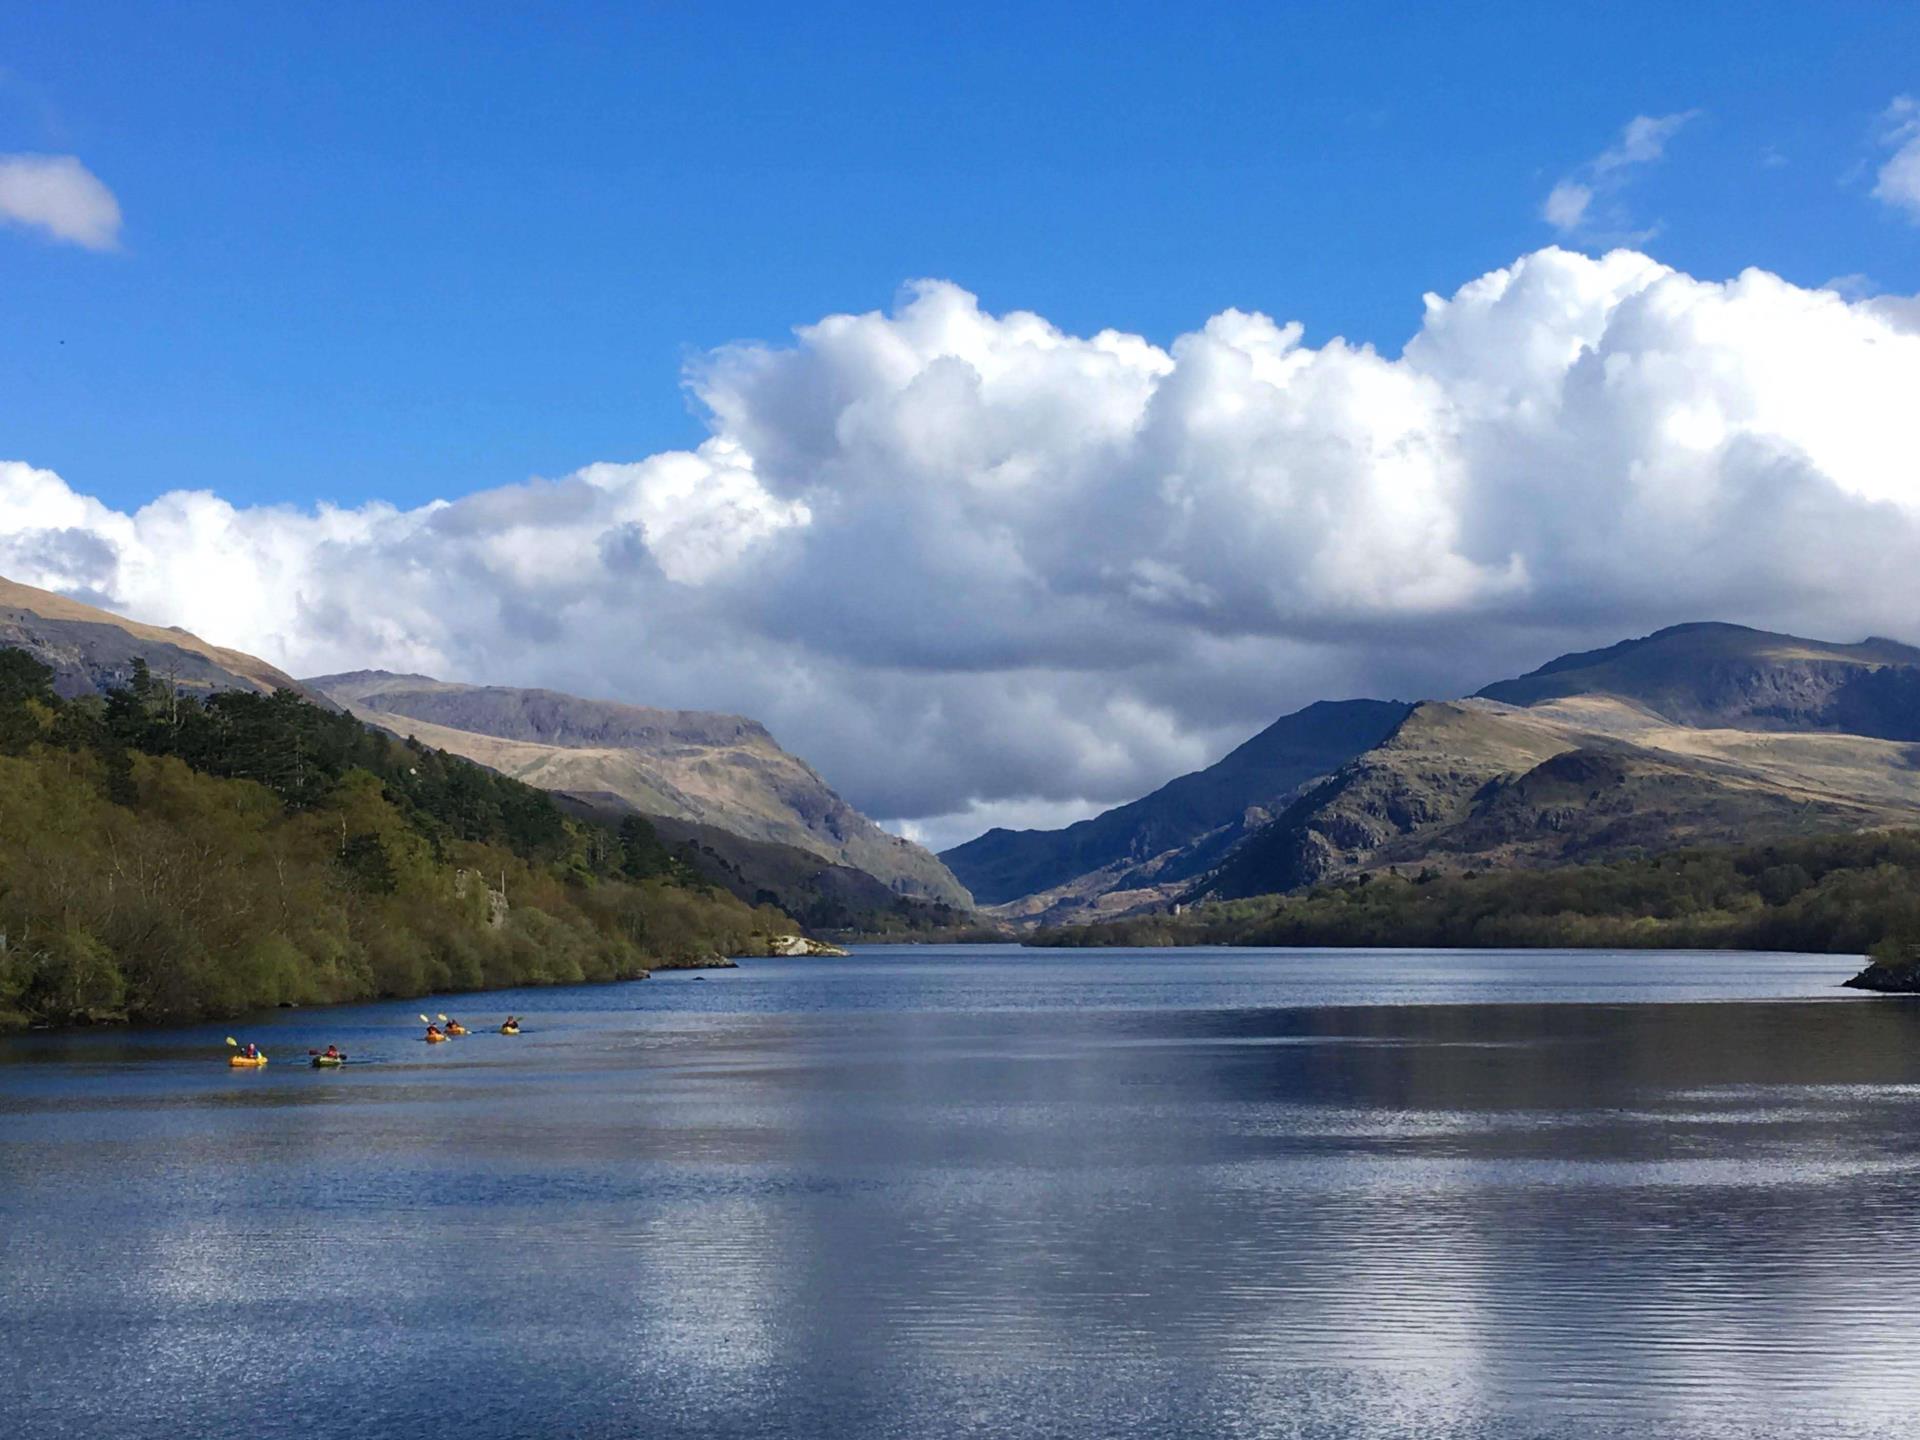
(1181, 829)
(719, 770)
(1704, 733)
(1728, 676)
(91, 650)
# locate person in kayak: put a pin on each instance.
(332, 1053)
(250, 1051)
(433, 1032)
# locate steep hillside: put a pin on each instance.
(718, 770)
(91, 651)
(1698, 734)
(165, 859)
(1476, 784)
(821, 895)
(1173, 833)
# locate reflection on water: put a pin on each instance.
(928, 1193)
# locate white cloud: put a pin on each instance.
(1898, 182)
(1566, 205)
(59, 195)
(974, 567)
(1570, 207)
(1643, 141)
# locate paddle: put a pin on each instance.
(233, 1042)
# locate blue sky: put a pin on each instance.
(378, 251)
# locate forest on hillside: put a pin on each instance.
(1843, 894)
(167, 858)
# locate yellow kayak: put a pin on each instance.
(242, 1062)
(436, 1039)
(456, 1029)
(509, 1029)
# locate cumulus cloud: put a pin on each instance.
(1898, 182)
(1586, 202)
(60, 196)
(977, 568)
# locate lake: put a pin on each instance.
(936, 1191)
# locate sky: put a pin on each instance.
(1013, 406)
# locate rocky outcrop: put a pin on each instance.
(797, 946)
(1893, 973)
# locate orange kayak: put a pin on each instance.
(435, 1039)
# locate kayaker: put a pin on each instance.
(333, 1053)
(433, 1032)
(250, 1050)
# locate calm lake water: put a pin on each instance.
(930, 1192)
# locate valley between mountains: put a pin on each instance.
(1698, 735)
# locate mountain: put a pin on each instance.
(1697, 734)
(719, 770)
(92, 650)
(1179, 830)
(1716, 675)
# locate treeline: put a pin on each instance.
(167, 858)
(1844, 894)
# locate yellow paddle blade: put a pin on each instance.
(425, 1021)
(443, 1019)
(233, 1042)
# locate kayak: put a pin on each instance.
(435, 1039)
(322, 1062)
(509, 1029)
(242, 1062)
(456, 1029)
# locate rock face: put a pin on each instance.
(92, 650)
(690, 765)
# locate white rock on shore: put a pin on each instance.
(798, 945)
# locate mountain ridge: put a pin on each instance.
(92, 650)
(1706, 732)
(689, 765)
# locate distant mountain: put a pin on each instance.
(92, 650)
(1180, 829)
(718, 770)
(1710, 675)
(1696, 734)
(1704, 733)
